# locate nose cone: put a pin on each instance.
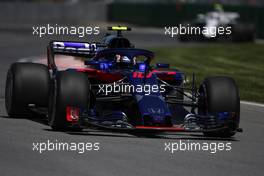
(157, 120)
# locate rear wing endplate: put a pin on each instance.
(81, 49)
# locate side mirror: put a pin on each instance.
(162, 65)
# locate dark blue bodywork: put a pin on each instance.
(151, 105)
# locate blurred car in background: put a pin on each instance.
(236, 31)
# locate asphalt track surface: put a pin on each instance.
(119, 154)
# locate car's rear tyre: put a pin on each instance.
(26, 83)
(220, 94)
(69, 89)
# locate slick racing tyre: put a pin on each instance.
(69, 89)
(220, 94)
(26, 83)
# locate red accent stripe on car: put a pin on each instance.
(72, 114)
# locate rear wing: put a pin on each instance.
(81, 49)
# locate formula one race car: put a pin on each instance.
(218, 25)
(118, 89)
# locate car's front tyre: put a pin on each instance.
(220, 95)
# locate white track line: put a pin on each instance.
(252, 103)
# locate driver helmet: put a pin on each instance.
(125, 59)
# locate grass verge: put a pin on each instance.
(244, 62)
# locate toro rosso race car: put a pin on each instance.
(118, 89)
